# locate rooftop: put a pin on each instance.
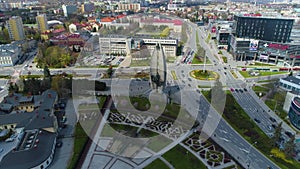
(34, 155)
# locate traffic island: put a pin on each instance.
(204, 75)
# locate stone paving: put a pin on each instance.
(210, 154)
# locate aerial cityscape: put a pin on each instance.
(150, 84)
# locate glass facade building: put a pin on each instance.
(294, 112)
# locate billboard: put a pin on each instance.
(253, 45)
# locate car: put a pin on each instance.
(274, 126)
(59, 144)
(245, 90)
(9, 140)
(198, 91)
(272, 120)
(256, 120)
(289, 134)
(225, 68)
(241, 90)
(189, 79)
(236, 90)
(225, 73)
(189, 85)
(231, 89)
(1, 149)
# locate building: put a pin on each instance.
(266, 39)
(15, 28)
(290, 83)
(288, 100)
(9, 54)
(169, 45)
(294, 112)
(114, 44)
(69, 10)
(118, 44)
(87, 7)
(34, 134)
(255, 26)
(129, 7)
(42, 22)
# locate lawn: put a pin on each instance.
(136, 63)
(197, 60)
(174, 75)
(80, 141)
(157, 164)
(204, 75)
(234, 114)
(181, 158)
(261, 73)
(263, 64)
(260, 89)
(233, 74)
(224, 59)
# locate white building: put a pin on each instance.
(290, 83)
(169, 45)
(9, 54)
(114, 44)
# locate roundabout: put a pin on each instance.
(204, 75)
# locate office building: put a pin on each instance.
(294, 112)
(15, 28)
(69, 10)
(255, 26)
(114, 44)
(42, 22)
(118, 44)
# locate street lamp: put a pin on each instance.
(248, 161)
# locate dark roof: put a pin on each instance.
(26, 99)
(40, 121)
(48, 100)
(292, 79)
(32, 157)
(5, 107)
(15, 118)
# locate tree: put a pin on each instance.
(110, 71)
(289, 148)
(277, 135)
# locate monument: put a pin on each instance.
(158, 69)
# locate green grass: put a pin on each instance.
(234, 114)
(180, 158)
(200, 61)
(200, 86)
(136, 63)
(174, 75)
(234, 74)
(263, 64)
(157, 164)
(260, 89)
(262, 73)
(80, 141)
(206, 75)
(224, 59)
